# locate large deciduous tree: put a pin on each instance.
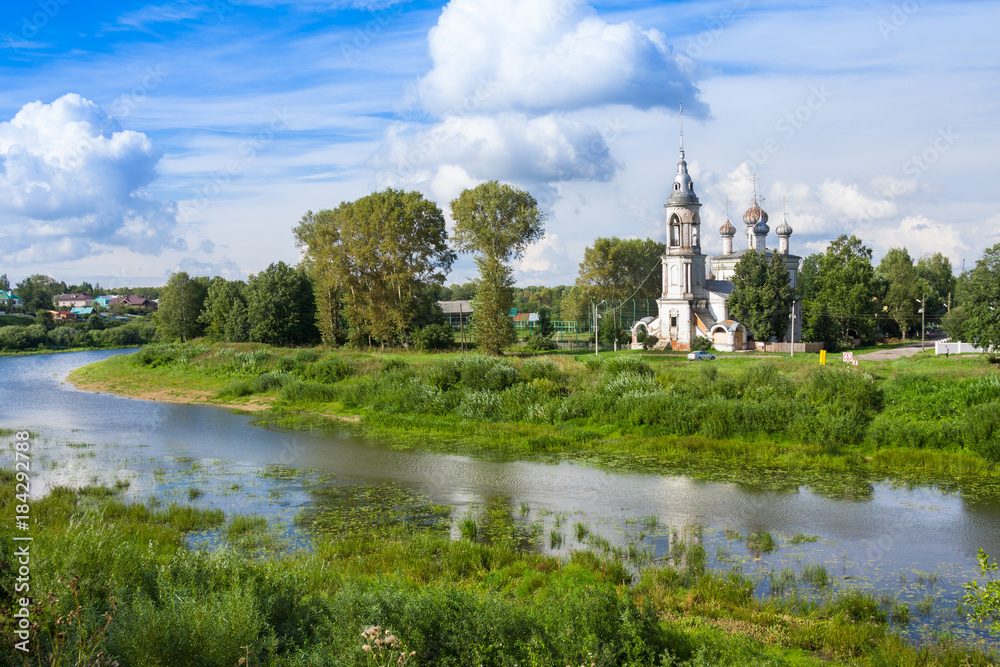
(180, 306)
(847, 287)
(225, 311)
(939, 282)
(39, 291)
(281, 308)
(614, 268)
(496, 223)
(762, 295)
(903, 289)
(982, 302)
(372, 261)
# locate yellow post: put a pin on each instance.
(822, 357)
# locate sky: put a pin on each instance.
(142, 138)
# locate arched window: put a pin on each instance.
(675, 231)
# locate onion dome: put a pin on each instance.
(727, 229)
(761, 228)
(755, 214)
(784, 229)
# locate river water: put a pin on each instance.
(912, 545)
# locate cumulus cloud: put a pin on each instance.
(509, 147)
(547, 55)
(847, 200)
(71, 182)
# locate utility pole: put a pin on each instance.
(792, 336)
(596, 349)
(923, 318)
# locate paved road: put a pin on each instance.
(895, 352)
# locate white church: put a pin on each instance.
(696, 286)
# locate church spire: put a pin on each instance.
(683, 189)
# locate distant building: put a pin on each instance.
(74, 300)
(10, 300)
(63, 316)
(80, 310)
(135, 301)
(457, 313)
(105, 300)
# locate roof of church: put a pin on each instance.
(719, 286)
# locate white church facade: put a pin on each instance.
(696, 287)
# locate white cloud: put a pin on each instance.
(545, 256)
(849, 202)
(920, 236)
(547, 55)
(509, 147)
(71, 181)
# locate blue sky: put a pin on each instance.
(137, 139)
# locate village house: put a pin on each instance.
(74, 300)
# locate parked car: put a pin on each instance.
(700, 355)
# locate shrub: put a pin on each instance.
(68, 337)
(701, 343)
(540, 368)
(483, 373)
(626, 363)
(329, 371)
(434, 337)
(540, 342)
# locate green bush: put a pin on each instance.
(701, 343)
(482, 373)
(329, 371)
(626, 363)
(434, 337)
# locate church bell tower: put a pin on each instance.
(683, 263)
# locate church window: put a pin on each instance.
(673, 320)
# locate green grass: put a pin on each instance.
(920, 419)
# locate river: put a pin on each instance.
(912, 545)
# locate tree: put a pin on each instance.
(225, 311)
(938, 279)
(809, 277)
(614, 268)
(847, 287)
(39, 291)
(181, 305)
(762, 295)
(818, 326)
(982, 302)
(44, 317)
(281, 306)
(372, 260)
(4, 282)
(495, 223)
(903, 289)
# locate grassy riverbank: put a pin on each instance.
(111, 580)
(776, 421)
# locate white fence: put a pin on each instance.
(956, 347)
